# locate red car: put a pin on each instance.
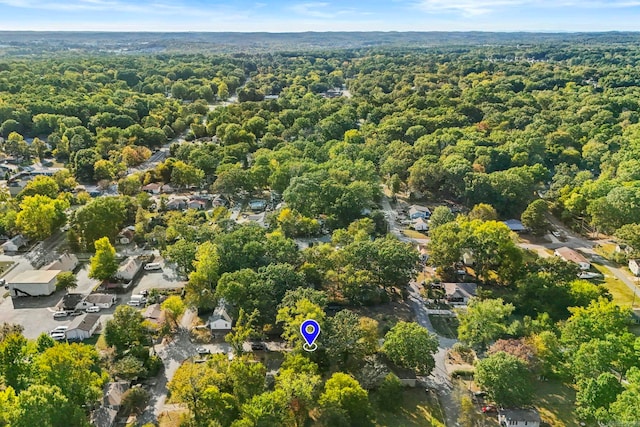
(489, 408)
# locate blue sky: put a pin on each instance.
(321, 15)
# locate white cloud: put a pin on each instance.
(480, 7)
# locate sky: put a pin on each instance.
(321, 15)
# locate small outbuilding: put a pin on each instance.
(83, 327)
(14, 244)
(519, 418)
(570, 255)
(634, 266)
(129, 269)
(515, 226)
(420, 225)
(220, 321)
(417, 211)
(33, 283)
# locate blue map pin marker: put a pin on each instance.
(310, 331)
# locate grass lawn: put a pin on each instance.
(606, 250)
(172, 418)
(621, 294)
(413, 234)
(445, 325)
(418, 409)
(4, 266)
(555, 402)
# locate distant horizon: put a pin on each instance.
(327, 31)
(287, 16)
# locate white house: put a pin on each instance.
(196, 204)
(128, 270)
(220, 321)
(33, 283)
(101, 300)
(177, 203)
(14, 244)
(634, 266)
(460, 293)
(570, 255)
(519, 418)
(65, 262)
(83, 327)
(420, 225)
(152, 188)
(417, 211)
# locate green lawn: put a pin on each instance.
(414, 234)
(556, 403)
(445, 325)
(621, 294)
(4, 266)
(418, 409)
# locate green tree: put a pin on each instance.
(183, 254)
(535, 217)
(203, 280)
(483, 212)
(135, 400)
(343, 392)
(441, 215)
(484, 322)
(104, 263)
(411, 346)
(40, 215)
(15, 366)
(102, 216)
(46, 406)
(625, 409)
(174, 308)
(184, 175)
(75, 369)
(242, 330)
(126, 329)
(292, 318)
(389, 394)
(66, 280)
(505, 378)
(42, 185)
(595, 395)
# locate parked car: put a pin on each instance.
(588, 275)
(93, 309)
(3, 282)
(152, 266)
(258, 346)
(556, 233)
(76, 313)
(60, 314)
(58, 336)
(58, 329)
(202, 350)
(489, 409)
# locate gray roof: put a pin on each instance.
(529, 415)
(515, 225)
(84, 322)
(104, 417)
(99, 298)
(467, 290)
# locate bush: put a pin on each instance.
(464, 352)
(153, 365)
(463, 373)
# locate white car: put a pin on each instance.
(588, 275)
(60, 314)
(93, 309)
(58, 336)
(59, 329)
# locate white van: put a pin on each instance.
(152, 266)
(137, 300)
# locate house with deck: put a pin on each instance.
(573, 256)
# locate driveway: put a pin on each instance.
(439, 378)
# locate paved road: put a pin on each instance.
(439, 378)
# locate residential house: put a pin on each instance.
(14, 244)
(65, 262)
(519, 418)
(153, 188)
(126, 235)
(101, 300)
(219, 200)
(623, 249)
(129, 269)
(177, 203)
(167, 189)
(460, 293)
(258, 205)
(420, 225)
(220, 321)
(106, 414)
(15, 187)
(634, 266)
(635, 315)
(515, 226)
(154, 314)
(570, 255)
(33, 283)
(83, 327)
(416, 211)
(196, 204)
